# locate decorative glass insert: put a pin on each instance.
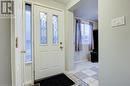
(55, 29)
(43, 28)
(28, 34)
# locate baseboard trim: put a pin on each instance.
(28, 83)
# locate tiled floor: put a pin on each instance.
(85, 74)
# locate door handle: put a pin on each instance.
(61, 47)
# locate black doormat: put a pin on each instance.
(57, 80)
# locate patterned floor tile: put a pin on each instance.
(87, 74)
(89, 80)
(81, 75)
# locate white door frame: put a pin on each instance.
(32, 3)
(49, 49)
(16, 67)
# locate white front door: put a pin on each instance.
(49, 42)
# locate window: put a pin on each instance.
(85, 33)
(55, 29)
(43, 28)
(28, 34)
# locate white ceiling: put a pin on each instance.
(62, 1)
(87, 9)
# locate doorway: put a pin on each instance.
(43, 41)
(49, 42)
(86, 42)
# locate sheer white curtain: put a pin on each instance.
(83, 35)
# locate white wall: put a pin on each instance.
(114, 43)
(69, 39)
(5, 52)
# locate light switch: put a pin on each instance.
(118, 21)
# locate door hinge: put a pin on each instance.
(23, 51)
(16, 42)
(34, 74)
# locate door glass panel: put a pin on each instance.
(28, 34)
(55, 29)
(43, 28)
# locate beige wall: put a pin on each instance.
(5, 52)
(114, 43)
